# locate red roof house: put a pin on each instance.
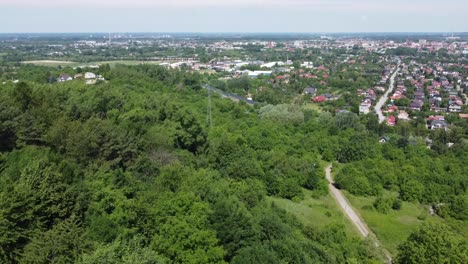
(319, 99)
(391, 121)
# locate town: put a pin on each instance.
(336, 72)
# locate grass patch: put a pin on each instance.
(124, 62)
(55, 63)
(316, 211)
(393, 228)
(311, 106)
(52, 63)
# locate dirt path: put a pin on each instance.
(345, 206)
(351, 214)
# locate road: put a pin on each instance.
(231, 96)
(459, 89)
(384, 98)
(351, 214)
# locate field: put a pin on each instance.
(393, 228)
(315, 211)
(55, 63)
(52, 63)
(126, 62)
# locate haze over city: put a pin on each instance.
(232, 16)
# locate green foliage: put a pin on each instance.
(433, 244)
(37, 193)
(355, 181)
(22, 94)
(126, 171)
(129, 251)
(411, 190)
(234, 225)
(64, 243)
(282, 114)
(383, 205)
(189, 133)
(181, 234)
(397, 204)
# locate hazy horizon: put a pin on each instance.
(242, 32)
(243, 16)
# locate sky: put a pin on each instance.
(33, 16)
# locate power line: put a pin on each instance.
(208, 112)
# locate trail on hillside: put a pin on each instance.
(351, 214)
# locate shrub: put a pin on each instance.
(383, 205)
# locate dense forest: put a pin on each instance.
(135, 170)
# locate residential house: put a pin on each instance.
(64, 78)
(403, 115)
(329, 96)
(436, 117)
(392, 108)
(319, 99)
(455, 108)
(438, 124)
(364, 107)
(416, 105)
(391, 121)
(384, 139)
(310, 91)
(90, 75)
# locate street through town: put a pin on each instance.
(383, 99)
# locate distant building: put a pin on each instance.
(310, 91)
(391, 121)
(384, 139)
(364, 108)
(90, 75)
(255, 74)
(416, 105)
(438, 124)
(319, 99)
(272, 64)
(64, 78)
(403, 116)
(329, 96)
(455, 108)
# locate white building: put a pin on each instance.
(272, 64)
(90, 75)
(255, 74)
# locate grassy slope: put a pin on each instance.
(393, 228)
(317, 212)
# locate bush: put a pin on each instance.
(383, 205)
(397, 203)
